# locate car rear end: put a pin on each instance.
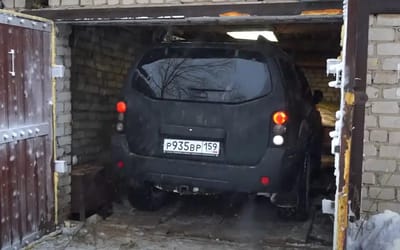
(205, 119)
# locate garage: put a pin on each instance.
(102, 53)
(97, 48)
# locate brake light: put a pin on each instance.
(265, 180)
(121, 107)
(280, 118)
(120, 164)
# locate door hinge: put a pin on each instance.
(334, 67)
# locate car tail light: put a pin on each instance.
(265, 180)
(280, 118)
(121, 107)
(120, 164)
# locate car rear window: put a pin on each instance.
(208, 75)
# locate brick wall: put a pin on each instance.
(111, 3)
(319, 81)
(381, 178)
(64, 118)
(14, 4)
(101, 59)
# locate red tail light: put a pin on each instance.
(264, 180)
(280, 118)
(120, 164)
(121, 107)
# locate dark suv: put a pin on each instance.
(212, 118)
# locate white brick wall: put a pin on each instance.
(64, 122)
(381, 177)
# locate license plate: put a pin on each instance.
(176, 146)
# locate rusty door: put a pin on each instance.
(26, 174)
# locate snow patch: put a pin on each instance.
(381, 231)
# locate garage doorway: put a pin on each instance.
(309, 39)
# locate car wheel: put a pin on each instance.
(302, 208)
(147, 197)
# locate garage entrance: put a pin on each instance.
(26, 148)
(103, 49)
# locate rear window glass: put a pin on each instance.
(209, 75)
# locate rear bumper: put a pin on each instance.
(278, 164)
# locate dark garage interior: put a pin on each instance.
(102, 56)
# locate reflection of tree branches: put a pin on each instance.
(177, 70)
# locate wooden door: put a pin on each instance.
(26, 172)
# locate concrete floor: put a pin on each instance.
(196, 223)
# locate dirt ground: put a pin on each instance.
(195, 223)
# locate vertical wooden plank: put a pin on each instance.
(5, 227)
(30, 118)
(21, 145)
(48, 117)
(14, 119)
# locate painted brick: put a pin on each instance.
(372, 20)
(64, 179)
(86, 2)
(388, 20)
(393, 206)
(9, 4)
(391, 93)
(380, 165)
(63, 96)
(378, 136)
(69, 3)
(385, 77)
(372, 63)
(371, 121)
(385, 107)
(382, 193)
(390, 180)
(368, 178)
(390, 152)
(391, 49)
(99, 2)
(364, 192)
(388, 64)
(371, 49)
(372, 92)
(66, 118)
(64, 140)
(370, 150)
(368, 205)
(394, 137)
(54, 3)
(381, 34)
(19, 3)
(366, 135)
(389, 122)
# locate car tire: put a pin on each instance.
(303, 200)
(302, 209)
(147, 197)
